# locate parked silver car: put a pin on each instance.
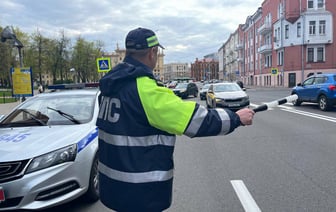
(48, 154)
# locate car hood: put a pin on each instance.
(230, 95)
(28, 142)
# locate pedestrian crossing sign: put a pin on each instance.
(274, 71)
(104, 64)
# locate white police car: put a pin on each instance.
(49, 150)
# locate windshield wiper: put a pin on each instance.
(34, 117)
(65, 115)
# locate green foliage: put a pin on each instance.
(6, 96)
(52, 56)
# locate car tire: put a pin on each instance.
(92, 194)
(323, 103)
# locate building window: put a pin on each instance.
(310, 55)
(322, 27)
(320, 54)
(310, 4)
(312, 27)
(268, 61)
(280, 58)
(298, 29)
(315, 54)
(320, 3)
(286, 31)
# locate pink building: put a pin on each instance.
(287, 40)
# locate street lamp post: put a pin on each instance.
(8, 33)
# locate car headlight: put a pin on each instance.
(59, 156)
(219, 100)
(183, 91)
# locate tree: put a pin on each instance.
(84, 57)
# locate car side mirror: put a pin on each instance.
(299, 84)
(244, 89)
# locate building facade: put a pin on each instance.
(205, 69)
(283, 42)
(174, 71)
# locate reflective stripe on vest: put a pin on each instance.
(151, 140)
(199, 117)
(140, 177)
(196, 121)
(226, 122)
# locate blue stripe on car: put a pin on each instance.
(87, 139)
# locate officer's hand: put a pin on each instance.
(245, 115)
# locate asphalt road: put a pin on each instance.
(285, 161)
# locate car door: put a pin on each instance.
(315, 89)
(306, 90)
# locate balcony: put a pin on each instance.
(265, 28)
(265, 49)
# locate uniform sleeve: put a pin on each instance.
(164, 110)
(170, 113)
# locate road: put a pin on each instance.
(285, 161)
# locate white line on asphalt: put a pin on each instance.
(314, 115)
(244, 196)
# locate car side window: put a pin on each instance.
(319, 80)
(309, 81)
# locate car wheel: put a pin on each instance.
(92, 193)
(323, 103)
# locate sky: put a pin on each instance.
(188, 29)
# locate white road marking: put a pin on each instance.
(314, 115)
(244, 196)
(300, 112)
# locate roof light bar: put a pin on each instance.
(73, 86)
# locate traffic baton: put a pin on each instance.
(275, 103)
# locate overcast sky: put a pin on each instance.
(188, 29)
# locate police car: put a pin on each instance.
(49, 150)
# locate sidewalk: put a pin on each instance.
(7, 107)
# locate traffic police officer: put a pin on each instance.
(138, 122)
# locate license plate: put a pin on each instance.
(234, 105)
(2, 195)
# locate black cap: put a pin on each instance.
(141, 38)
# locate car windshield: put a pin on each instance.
(226, 87)
(52, 110)
(182, 85)
(206, 86)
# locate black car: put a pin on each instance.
(185, 89)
